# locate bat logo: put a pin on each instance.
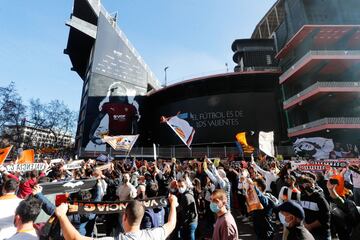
(73, 184)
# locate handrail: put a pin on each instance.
(317, 53)
(323, 121)
(321, 84)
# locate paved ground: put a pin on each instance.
(246, 231)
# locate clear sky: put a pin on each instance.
(192, 37)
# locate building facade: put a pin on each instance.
(31, 137)
(318, 49)
(114, 74)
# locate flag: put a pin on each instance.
(154, 146)
(182, 129)
(316, 147)
(241, 151)
(266, 143)
(122, 142)
(241, 138)
(26, 156)
(4, 152)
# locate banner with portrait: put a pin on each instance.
(316, 148)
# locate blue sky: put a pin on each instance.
(192, 37)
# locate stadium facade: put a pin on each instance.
(114, 74)
(218, 107)
(297, 76)
(317, 48)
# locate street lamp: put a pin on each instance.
(165, 69)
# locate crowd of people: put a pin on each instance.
(207, 200)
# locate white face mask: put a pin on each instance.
(282, 220)
(182, 190)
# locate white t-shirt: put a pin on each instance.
(29, 235)
(8, 205)
(147, 234)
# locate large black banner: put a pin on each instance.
(113, 207)
(218, 118)
(68, 187)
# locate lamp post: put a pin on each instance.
(165, 69)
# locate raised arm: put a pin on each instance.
(69, 232)
(171, 223)
(260, 170)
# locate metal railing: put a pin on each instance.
(321, 84)
(306, 57)
(265, 68)
(183, 152)
(320, 122)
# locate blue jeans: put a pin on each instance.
(188, 232)
(86, 228)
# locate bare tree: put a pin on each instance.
(12, 114)
(55, 117)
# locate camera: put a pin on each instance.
(334, 181)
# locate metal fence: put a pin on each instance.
(183, 152)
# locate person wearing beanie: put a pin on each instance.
(292, 217)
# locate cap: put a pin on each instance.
(292, 208)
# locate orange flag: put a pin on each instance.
(4, 152)
(27, 156)
(241, 138)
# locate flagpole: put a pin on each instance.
(127, 155)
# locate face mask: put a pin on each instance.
(182, 190)
(172, 190)
(214, 207)
(282, 220)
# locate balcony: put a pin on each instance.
(323, 36)
(322, 62)
(321, 88)
(324, 124)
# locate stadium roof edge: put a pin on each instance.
(212, 76)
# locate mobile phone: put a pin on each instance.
(61, 198)
(334, 181)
